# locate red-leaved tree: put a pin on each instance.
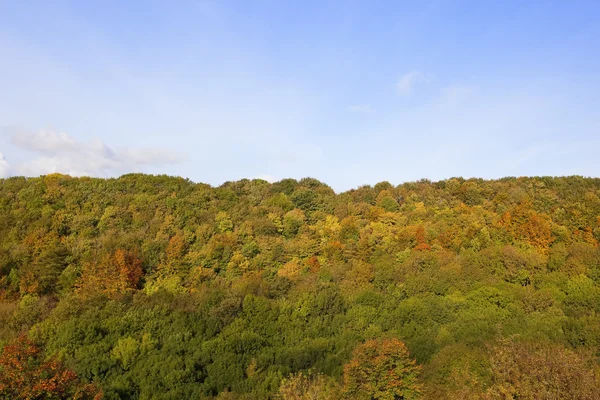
(25, 375)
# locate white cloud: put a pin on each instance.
(408, 81)
(43, 141)
(4, 166)
(59, 152)
(361, 109)
(74, 165)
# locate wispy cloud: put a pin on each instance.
(59, 152)
(408, 81)
(361, 109)
(4, 166)
(151, 156)
(456, 94)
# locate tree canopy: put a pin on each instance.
(156, 287)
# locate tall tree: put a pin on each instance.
(382, 369)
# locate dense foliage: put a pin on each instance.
(25, 376)
(154, 287)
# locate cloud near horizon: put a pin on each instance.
(59, 152)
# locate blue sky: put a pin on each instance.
(349, 92)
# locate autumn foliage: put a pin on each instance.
(306, 386)
(382, 369)
(531, 371)
(159, 287)
(116, 273)
(24, 374)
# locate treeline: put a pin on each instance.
(155, 287)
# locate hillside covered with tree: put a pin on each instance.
(156, 287)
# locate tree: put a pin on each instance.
(116, 273)
(382, 369)
(224, 223)
(532, 371)
(24, 375)
(310, 386)
(420, 238)
(130, 269)
(292, 222)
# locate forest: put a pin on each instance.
(156, 287)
